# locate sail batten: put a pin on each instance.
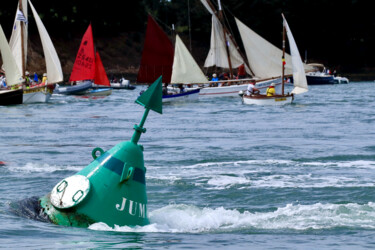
(185, 69)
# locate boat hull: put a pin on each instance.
(37, 95)
(185, 96)
(11, 97)
(116, 85)
(319, 79)
(341, 80)
(277, 100)
(79, 89)
(233, 90)
(100, 92)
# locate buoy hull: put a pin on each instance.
(116, 194)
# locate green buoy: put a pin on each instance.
(112, 188)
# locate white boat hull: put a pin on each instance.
(269, 100)
(341, 80)
(234, 89)
(39, 95)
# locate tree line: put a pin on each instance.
(335, 32)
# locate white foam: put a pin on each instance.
(224, 182)
(191, 219)
(40, 167)
(270, 174)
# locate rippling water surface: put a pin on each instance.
(220, 174)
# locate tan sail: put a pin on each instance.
(217, 55)
(54, 70)
(264, 58)
(12, 73)
(185, 69)
(299, 75)
(15, 41)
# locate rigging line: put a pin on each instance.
(189, 24)
(227, 21)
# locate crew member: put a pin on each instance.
(271, 90)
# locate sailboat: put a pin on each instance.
(224, 53)
(100, 79)
(297, 67)
(10, 95)
(177, 66)
(87, 69)
(18, 45)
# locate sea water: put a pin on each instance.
(220, 174)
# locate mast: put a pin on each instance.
(22, 43)
(283, 62)
(189, 25)
(225, 39)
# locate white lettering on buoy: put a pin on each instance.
(135, 208)
(142, 210)
(131, 212)
(122, 205)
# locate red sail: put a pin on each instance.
(84, 65)
(101, 77)
(157, 55)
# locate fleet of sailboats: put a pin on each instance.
(159, 58)
(224, 53)
(87, 70)
(18, 45)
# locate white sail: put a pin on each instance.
(15, 42)
(185, 69)
(218, 54)
(299, 76)
(264, 58)
(54, 70)
(12, 73)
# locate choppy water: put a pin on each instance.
(219, 174)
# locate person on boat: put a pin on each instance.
(2, 81)
(44, 79)
(36, 78)
(182, 89)
(271, 90)
(165, 89)
(241, 73)
(27, 79)
(251, 90)
(214, 79)
(223, 76)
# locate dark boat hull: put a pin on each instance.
(11, 97)
(320, 80)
